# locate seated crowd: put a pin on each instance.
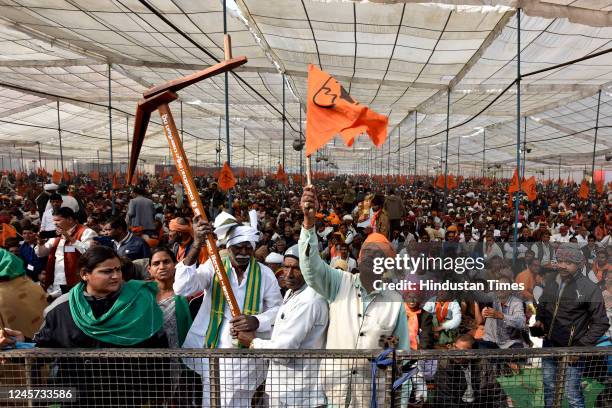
(78, 270)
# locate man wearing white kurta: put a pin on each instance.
(239, 378)
(301, 323)
(359, 315)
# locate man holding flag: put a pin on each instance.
(257, 293)
(359, 314)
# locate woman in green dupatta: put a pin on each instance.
(103, 311)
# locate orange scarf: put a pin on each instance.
(413, 327)
(600, 270)
(441, 311)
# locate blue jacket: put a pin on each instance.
(134, 248)
(32, 263)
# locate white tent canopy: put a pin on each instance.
(398, 57)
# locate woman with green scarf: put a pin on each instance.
(103, 311)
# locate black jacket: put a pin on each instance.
(101, 381)
(580, 318)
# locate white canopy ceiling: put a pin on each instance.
(398, 57)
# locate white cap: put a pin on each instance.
(294, 252)
(347, 218)
(50, 187)
(274, 258)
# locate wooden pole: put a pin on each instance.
(182, 166)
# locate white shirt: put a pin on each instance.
(301, 323)
(47, 224)
(237, 374)
(352, 264)
(67, 201)
(59, 275)
(560, 238)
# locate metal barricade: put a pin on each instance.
(305, 378)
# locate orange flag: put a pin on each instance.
(451, 183)
(115, 182)
(176, 178)
(331, 110)
(529, 187)
(599, 185)
(281, 175)
(584, 190)
(226, 178)
(598, 178)
(8, 231)
(66, 175)
(439, 181)
(514, 184)
(57, 177)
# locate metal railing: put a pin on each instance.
(301, 378)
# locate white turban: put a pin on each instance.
(230, 232)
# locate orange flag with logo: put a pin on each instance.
(8, 231)
(529, 187)
(57, 177)
(226, 178)
(584, 190)
(331, 110)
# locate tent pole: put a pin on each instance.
(110, 138)
(484, 149)
(524, 149)
(300, 152)
(244, 149)
(458, 154)
(427, 173)
(40, 165)
(416, 116)
(399, 148)
(446, 151)
(283, 79)
(595, 141)
(59, 134)
(22, 163)
(227, 124)
(518, 131)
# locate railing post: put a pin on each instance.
(214, 378)
(560, 381)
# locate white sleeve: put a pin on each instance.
(271, 301)
(301, 321)
(84, 243)
(189, 279)
(42, 251)
(455, 320)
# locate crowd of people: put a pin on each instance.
(87, 266)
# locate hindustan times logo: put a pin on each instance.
(427, 263)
